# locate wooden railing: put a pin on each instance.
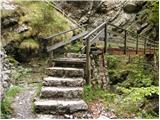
(91, 38)
(60, 44)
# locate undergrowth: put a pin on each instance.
(74, 47)
(6, 103)
(133, 92)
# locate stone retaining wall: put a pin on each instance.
(5, 73)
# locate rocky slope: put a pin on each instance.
(26, 24)
(132, 15)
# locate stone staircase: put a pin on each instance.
(62, 89)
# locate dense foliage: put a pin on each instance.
(133, 89)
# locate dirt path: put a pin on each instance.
(97, 110)
(22, 104)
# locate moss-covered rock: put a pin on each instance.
(29, 44)
(32, 19)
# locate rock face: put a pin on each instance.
(127, 14)
(5, 74)
(133, 6)
(130, 8)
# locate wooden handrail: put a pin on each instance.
(55, 35)
(143, 36)
(102, 27)
(95, 30)
(94, 34)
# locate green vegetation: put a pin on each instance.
(74, 47)
(6, 108)
(37, 93)
(152, 11)
(29, 44)
(41, 20)
(133, 92)
(20, 73)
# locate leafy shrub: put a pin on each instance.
(112, 61)
(134, 98)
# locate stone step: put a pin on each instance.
(70, 62)
(61, 92)
(65, 72)
(75, 55)
(59, 106)
(68, 82)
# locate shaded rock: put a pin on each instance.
(22, 28)
(7, 5)
(9, 21)
(130, 7)
(84, 20)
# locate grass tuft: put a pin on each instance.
(6, 108)
(29, 44)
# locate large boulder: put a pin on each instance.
(133, 6)
(130, 7)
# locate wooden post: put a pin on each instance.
(154, 47)
(137, 45)
(145, 46)
(51, 53)
(88, 71)
(125, 42)
(105, 38)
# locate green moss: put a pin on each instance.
(29, 44)
(11, 36)
(43, 18)
(6, 108)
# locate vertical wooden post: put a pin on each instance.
(145, 46)
(51, 54)
(154, 47)
(105, 38)
(137, 44)
(150, 48)
(88, 71)
(125, 42)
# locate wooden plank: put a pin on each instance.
(125, 42)
(88, 75)
(95, 38)
(105, 38)
(95, 30)
(144, 46)
(64, 32)
(137, 44)
(60, 44)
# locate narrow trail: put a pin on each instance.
(22, 104)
